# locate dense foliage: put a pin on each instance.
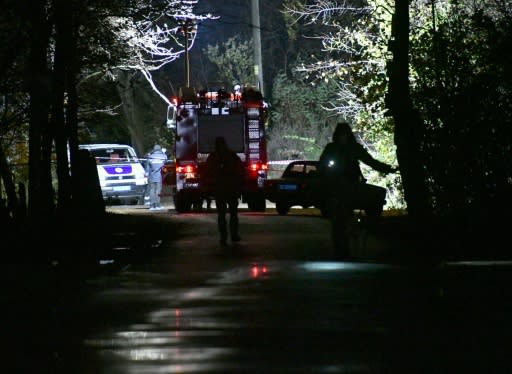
(352, 61)
(300, 125)
(462, 86)
(231, 62)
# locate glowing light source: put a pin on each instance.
(258, 270)
(255, 166)
(186, 169)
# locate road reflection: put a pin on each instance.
(189, 333)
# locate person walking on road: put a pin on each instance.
(345, 185)
(224, 178)
(155, 161)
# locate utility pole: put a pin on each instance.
(256, 35)
(187, 57)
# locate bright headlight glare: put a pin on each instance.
(140, 178)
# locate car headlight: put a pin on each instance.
(140, 178)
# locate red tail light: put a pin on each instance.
(259, 270)
(255, 271)
(255, 166)
(186, 169)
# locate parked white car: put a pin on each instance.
(120, 172)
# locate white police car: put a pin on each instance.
(120, 172)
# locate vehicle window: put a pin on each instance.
(113, 155)
(295, 170)
(311, 170)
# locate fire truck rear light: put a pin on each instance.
(185, 169)
(258, 166)
(258, 270)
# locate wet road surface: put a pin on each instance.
(279, 303)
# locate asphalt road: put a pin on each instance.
(278, 302)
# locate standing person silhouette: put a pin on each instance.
(155, 161)
(345, 185)
(224, 178)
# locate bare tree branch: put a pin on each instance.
(153, 42)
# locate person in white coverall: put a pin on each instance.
(154, 163)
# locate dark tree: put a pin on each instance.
(408, 124)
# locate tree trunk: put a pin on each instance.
(58, 96)
(126, 88)
(77, 164)
(408, 124)
(8, 181)
(38, 203)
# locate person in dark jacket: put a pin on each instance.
(345, 185)
(224, 178)
(154, 163)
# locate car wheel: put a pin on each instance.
(282, 208)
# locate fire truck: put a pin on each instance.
(198, 118)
